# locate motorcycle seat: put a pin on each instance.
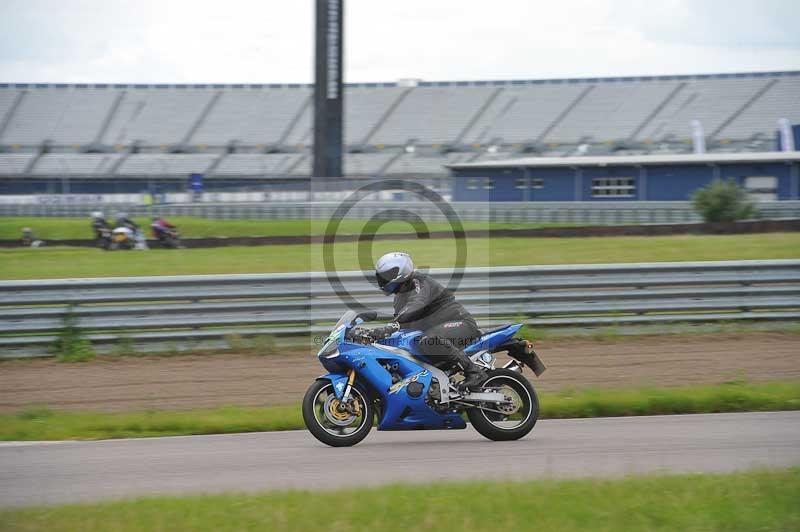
(484, 332)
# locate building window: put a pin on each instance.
(761, 188)
(475, 183)
(613, 187)
(536, 182)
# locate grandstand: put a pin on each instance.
(409, 129)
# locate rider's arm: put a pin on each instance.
(387, 330)
(418, 300)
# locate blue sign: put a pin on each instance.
(196, 182)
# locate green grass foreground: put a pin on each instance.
(194, 227)
(40, 423)
(58, 262)
(747, 502)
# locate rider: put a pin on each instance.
(98, 223)
(124, 221)
(422, 303)
(28, 238)
(161, 228)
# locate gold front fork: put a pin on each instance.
(351, 378)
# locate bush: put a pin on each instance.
(723, 201)
(71, 346)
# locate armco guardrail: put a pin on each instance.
(573, 212)
(212, 307)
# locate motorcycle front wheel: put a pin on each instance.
(332, 425)
(510, 420)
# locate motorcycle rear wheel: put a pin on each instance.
(331, 426)
(517, 423)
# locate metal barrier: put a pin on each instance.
(573, 212)
(215, 307)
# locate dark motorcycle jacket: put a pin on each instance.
(127, 222)
(99, 224)
(422, 303)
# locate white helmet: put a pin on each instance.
(97, 215)
(392, 270)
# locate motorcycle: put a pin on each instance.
(390, 379)
(123, 238)
(168, 238)
(103, 237)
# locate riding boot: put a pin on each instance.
(474, 375)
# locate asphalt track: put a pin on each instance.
(56, 472)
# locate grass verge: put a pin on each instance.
(59, 262)
(193, 227)
(41, 423)
(746, 501)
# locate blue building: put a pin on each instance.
(766, 176)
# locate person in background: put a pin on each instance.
(124, 221)
(27, 237)
(101, 230)
(29, 240)
(161, 228)
(98, 223)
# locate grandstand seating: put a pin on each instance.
(522, 114)
(63, 116)
(155, 117)
(781, 100)
(432, 115)
(709, 101)
(266, 164)
(367, 164)
(166, 164)
(251, 117)
(72, 164)
(611, 111)
(266, 130)
(364, 108)
(14, 163)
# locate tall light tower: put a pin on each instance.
(328, 93)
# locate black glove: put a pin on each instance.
(380, 333)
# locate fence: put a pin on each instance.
(589, 213)
(186, 309)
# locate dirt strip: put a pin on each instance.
(199, 381)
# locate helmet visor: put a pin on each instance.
(386, 277)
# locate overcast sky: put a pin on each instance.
(230, 41)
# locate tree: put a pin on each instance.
(723, 201)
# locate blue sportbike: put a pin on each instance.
(389, 379)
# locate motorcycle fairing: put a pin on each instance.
(493, 339)
(339, 382)
(407, 339)
(400, 411)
